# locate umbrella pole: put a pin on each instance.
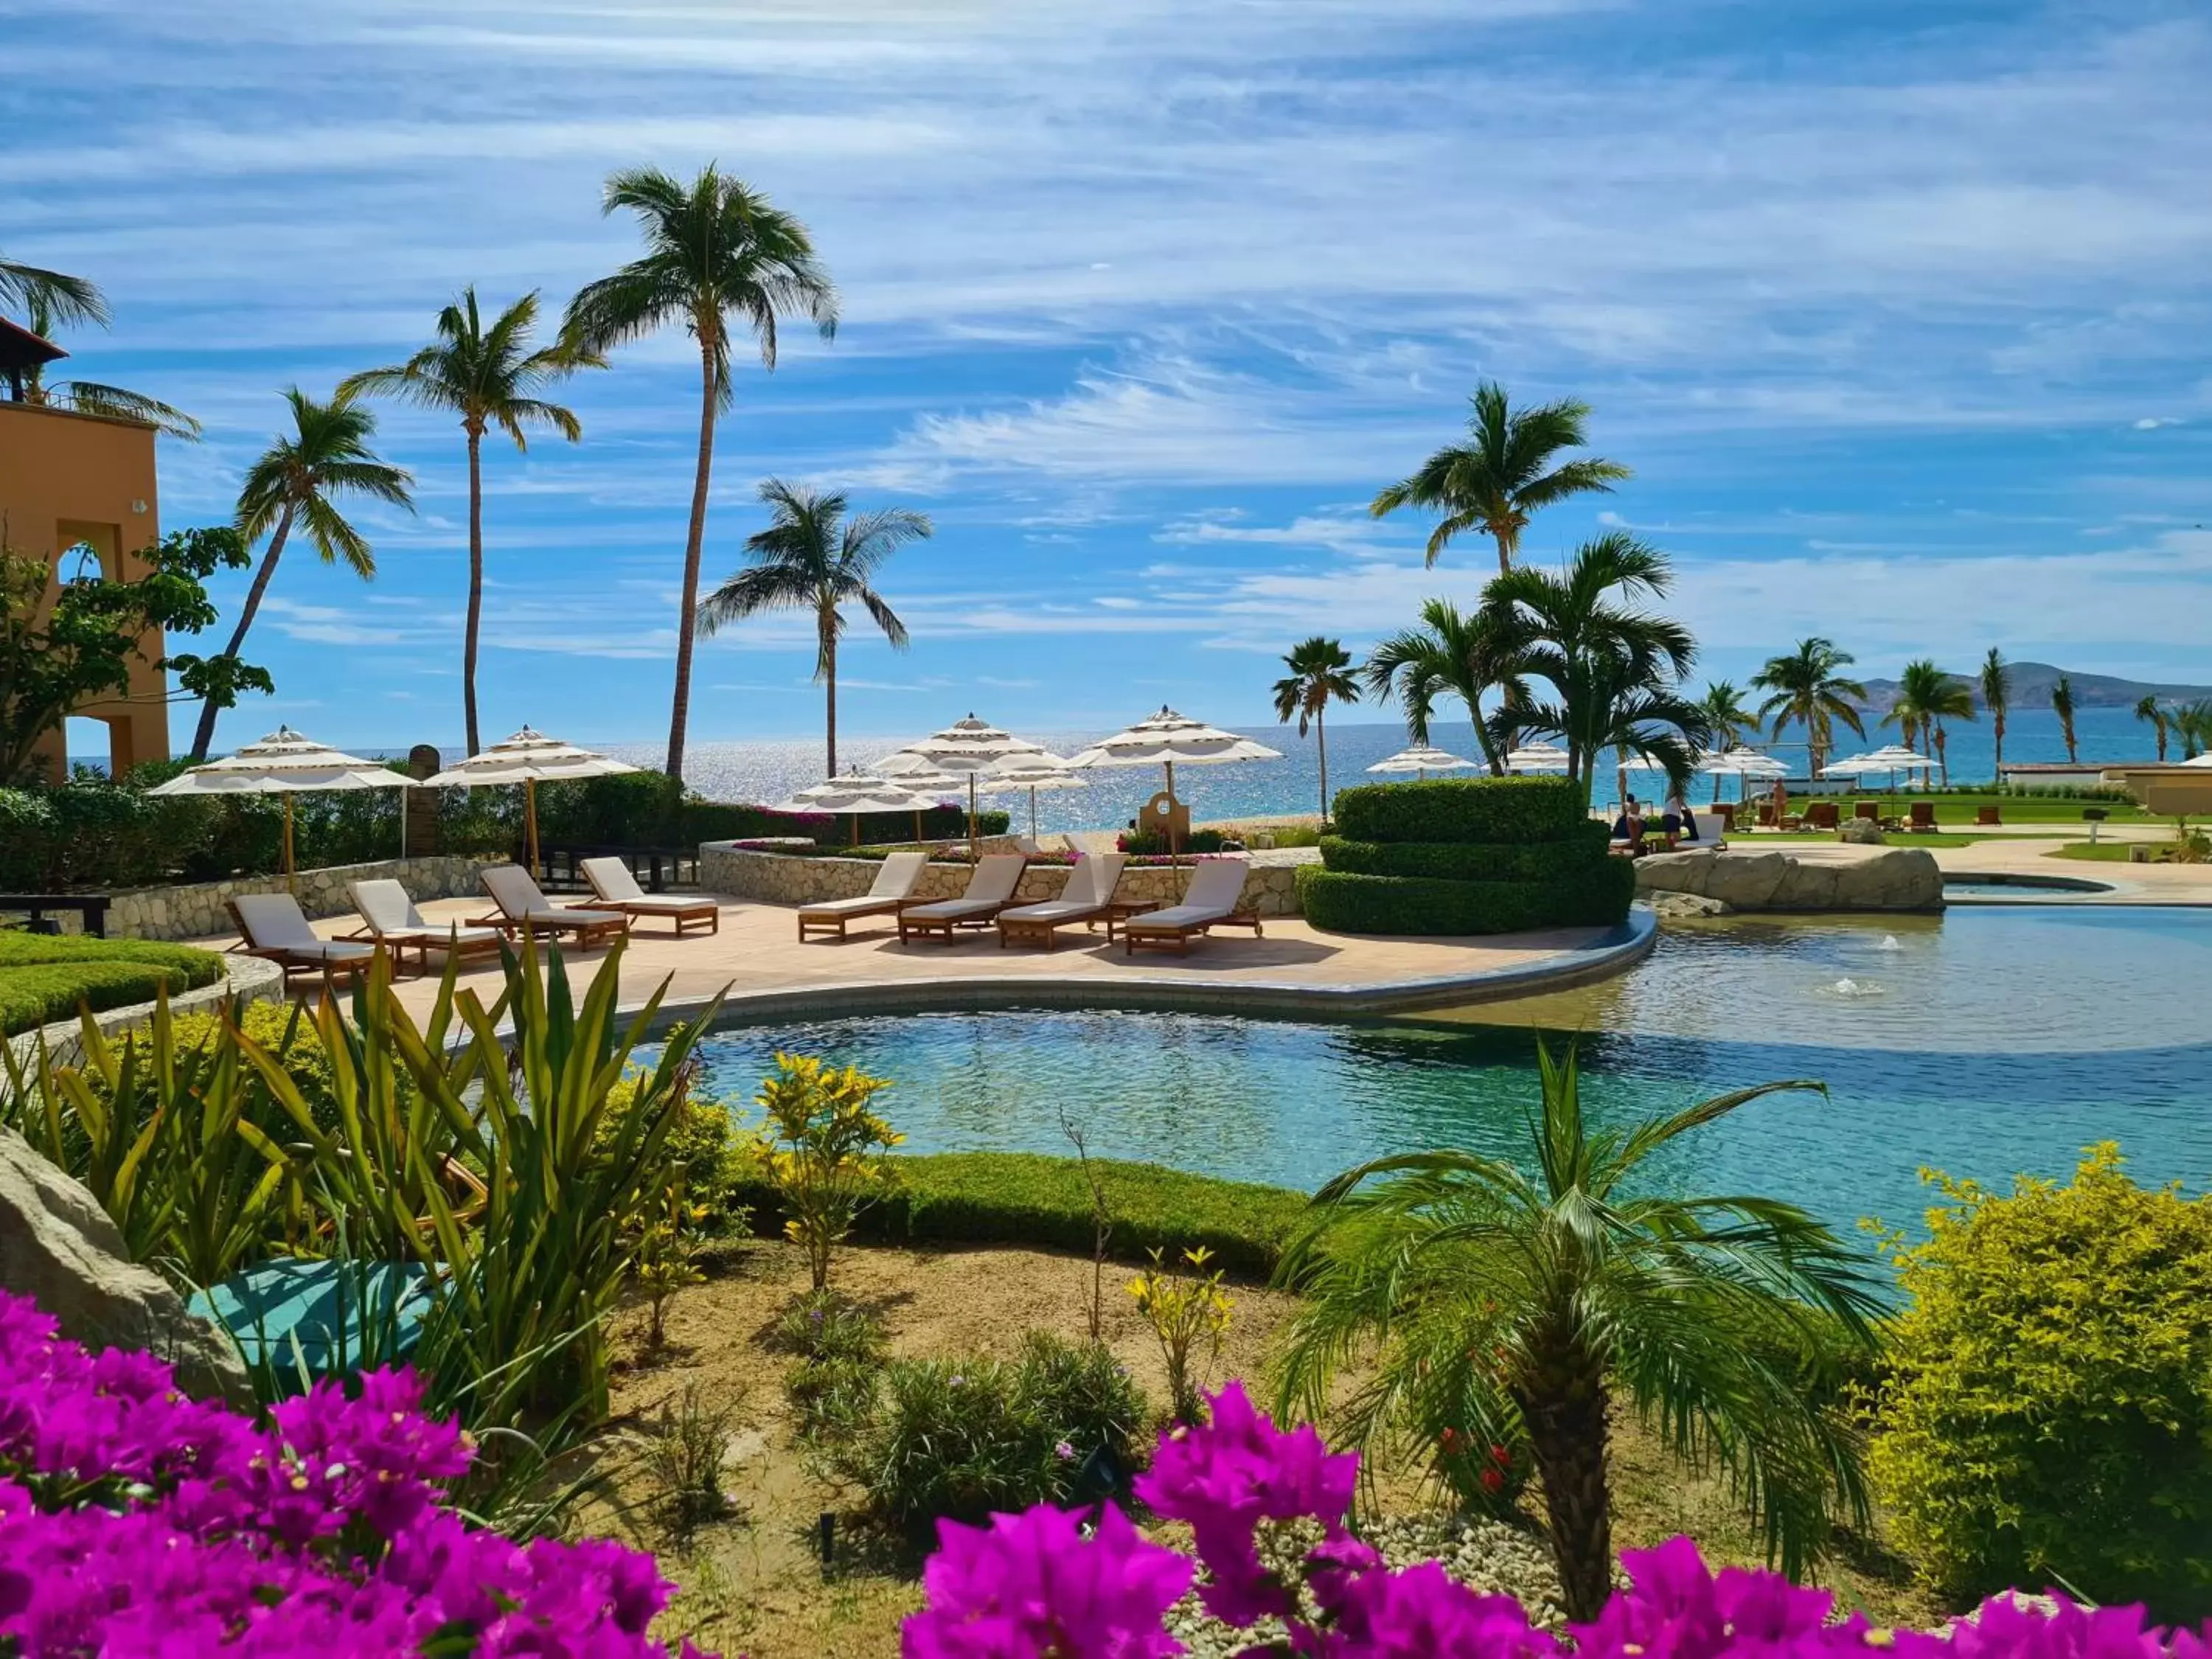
(291, 886)
(972, 850)
(917, 826)
(856, 828)
(1033, 811)
(530, 824)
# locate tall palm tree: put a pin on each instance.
(1454, 653)
(488, 377)
(812, 557)
(715, 251)
(1522, 1302)
(1321, 670)
(325, 455)
(1723, 709)
(1926, 697)
(1613, 668)
(2192, 723)
(2148, 708)
(1503, 473)
(67, 299)
(1997, 696)
(88, 397)
(2062, 704)
(1809, 686)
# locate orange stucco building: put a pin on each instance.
(68, 480)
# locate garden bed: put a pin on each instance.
(47, 977)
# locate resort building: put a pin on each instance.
(74, 489)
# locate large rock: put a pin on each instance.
(59, 1247)
(1893, 878)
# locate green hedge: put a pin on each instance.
(44, 978)
(1446, 860)
(1022, 1198)
(1340, 902)
(1463, 810)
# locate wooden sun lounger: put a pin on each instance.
(616, 889)
(893, 885)
(1214, 900)
(271, 925)
(388, 915)
(1088, 898)
(990, 891)
(524, 908)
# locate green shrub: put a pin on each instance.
(1151, 844)
(46, 977)
(2049, 1409)
(1445, 861)
(1024, 1198)
(1336, 901)
(1463, 810)
(841, 1347)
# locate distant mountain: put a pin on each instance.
(2031, 682)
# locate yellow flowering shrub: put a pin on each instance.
(1188, 1312)
(817, 1146)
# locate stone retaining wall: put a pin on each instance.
(725, 868)
(197, 911)
(1895, 878)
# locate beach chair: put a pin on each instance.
(894, 886)
(1868, 810)
(616, 889)
(1216, 893)
(523, 907)
(388, 915)
(1988, 816)
(1823, 814)
(1087, 898)
(990, 891)
(1923, 816)
(273, 926)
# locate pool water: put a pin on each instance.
(1984, 1043)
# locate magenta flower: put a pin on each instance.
(1422, 1614)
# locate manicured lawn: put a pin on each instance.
(1961, 809)
(1896, 838)
(46, 977)
(2104, 852)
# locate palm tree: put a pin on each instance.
(487, 377)
(2192, 724)
(713, 250)
(1504, 473)
(1515, 1306)
(2062, 704)
(1454, 653)
(1996, 697)
(66, 299)
(812, 557)
(2148, 708)
(326, 454)
(88, 397)
(1320, 670)
(1808, 687)
(1723, 709)
(1615, 670)
(1937, 696)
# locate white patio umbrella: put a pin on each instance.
(1043, 770)
(1742, 764)
(968, 747)
(529, 758)
(1537, 757)
(866, 792)
(2205, 759)
(1424, 759)
(285, 764)
(1166, 739)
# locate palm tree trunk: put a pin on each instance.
(687, 616)
(1321, 742)
(475, 587)
(1996, 720)
(1508, 540)
(1564, 1408)
(2161, 728)
(829, 635)
(1944, 756)
(206, 733)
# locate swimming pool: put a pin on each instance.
(1984, 1043)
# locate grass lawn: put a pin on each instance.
(1962, 808)
(2104, 852)
(46, 977)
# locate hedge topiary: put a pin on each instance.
(1341, 903)
(46, 977)
(1450, 861)
(2049, 1412)
(1463, 810)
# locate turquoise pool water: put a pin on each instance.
(1984, 1043)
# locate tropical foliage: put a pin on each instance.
(490, 377)
(820, 1146)
(46, 316)
(63, 298)
(1454, 653)
(1996, 686)
(1320, 672)
(1727, 717)
(1516, 1304)
(1926, 697)
(1808, 685)
(718, 256)
(1507, 470)
(2062, 704)
(2154, 713)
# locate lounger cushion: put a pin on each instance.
(869, 905)
(668, 905)
(1053, 910)
(329, 950)
(952, 910)
(1174, 920)
(273, 921)
(549, 917)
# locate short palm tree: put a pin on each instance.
(1524, 1302)
(1320, 672)
(2192, 723)
(326, 454)
(1926, 697)
(1454, 653)
(1997, 696)
(2062, 704)
(1723, 708)
(1808, 686)
(66, 299)
(716, 251)
(2148, 708)
(812, 557)
(487, 376)
(1613, 668)
(89, 397)
(1503, 473)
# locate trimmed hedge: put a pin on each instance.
(1024, 1198)
(1447, 861)
(46, 977)
(1339, 902)
(1462, 810)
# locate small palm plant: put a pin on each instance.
(2062, 704)
(1519, 1307)
(1321, 672)
(2150, 709)
(1996, 697)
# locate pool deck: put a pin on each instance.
(1294, 971)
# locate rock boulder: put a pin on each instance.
(1893, 878)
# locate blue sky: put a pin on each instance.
(1903, 313)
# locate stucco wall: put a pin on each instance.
(197, 911)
